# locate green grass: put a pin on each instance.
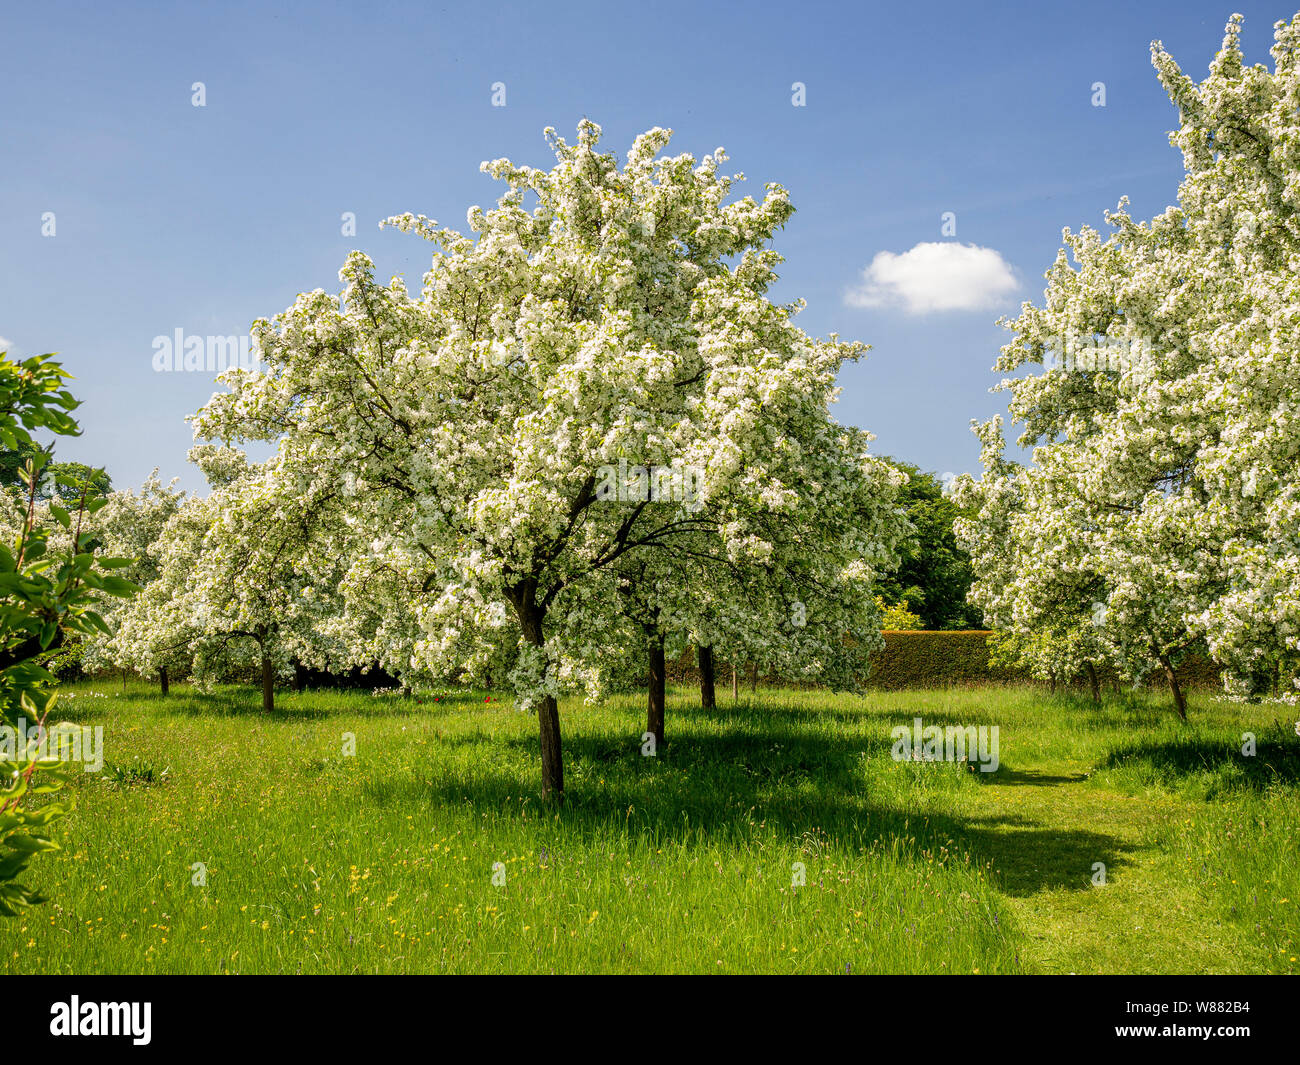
(383, 862)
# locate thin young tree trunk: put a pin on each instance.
(162, 678)
(1180, 701)
(735, 686)
(658, 682)
(753, 678)
(1094, 681)
(268, 683)
(708, 695)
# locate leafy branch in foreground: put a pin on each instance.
(45, 594)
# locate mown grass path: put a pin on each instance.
(1152, 812)
(1140, 920)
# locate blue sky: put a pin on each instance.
(170, 216)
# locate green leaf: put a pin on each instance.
(118, 586)
(98, 622)
(25, 844)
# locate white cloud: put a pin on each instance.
(936, 276)
(7, 345)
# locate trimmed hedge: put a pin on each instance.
(934, 659)
(937, 659)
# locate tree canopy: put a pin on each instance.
(600, 317)
(1162, 509)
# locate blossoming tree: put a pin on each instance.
(1165, 475)
(232, 591)
(130, 525)
(598, 313)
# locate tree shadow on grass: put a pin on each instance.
(228, 700)
(231, 704)
(867, 715)
(1029, 859)
(1174, 761)
(292, 707)
(731, 773)
(1032, 778)
(794, 784)
(766, 752)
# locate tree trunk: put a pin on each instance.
(268, 683)
(753, 678)
(162, 678)
(1180, 701)
(299, 677)
(655, 715)
(548, 720)
(735, 686)
(1094, 681)
(708, 695)
(548, 710)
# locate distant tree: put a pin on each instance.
(934, 573)
(68, 478)
(131, 525)
(896, 616)
(57, 478)
(230, 591)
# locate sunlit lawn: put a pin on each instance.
(384, 861)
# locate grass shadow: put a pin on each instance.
(770, 774)
(1214, 764)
